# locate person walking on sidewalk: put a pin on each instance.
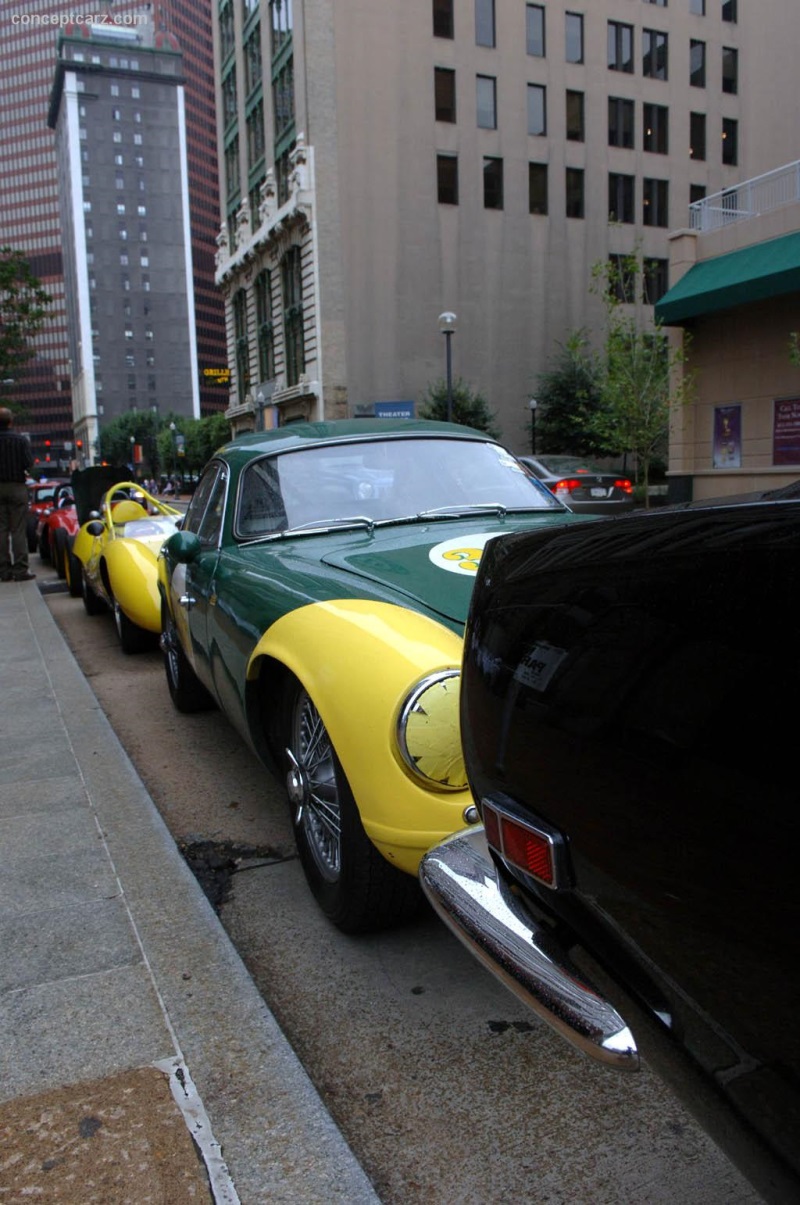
(16, 459)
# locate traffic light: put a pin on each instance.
(47, 446)
(79, 444)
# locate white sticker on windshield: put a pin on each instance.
(461, 555)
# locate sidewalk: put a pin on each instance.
(132, 1039)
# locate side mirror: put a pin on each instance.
(95, 528)
(183, 547)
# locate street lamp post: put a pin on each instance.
(533, 403)
(174, 452)
(132, 438)
(447, 325)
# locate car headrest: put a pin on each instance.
(128, 511)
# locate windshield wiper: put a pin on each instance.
(326, 524)
(465, 508)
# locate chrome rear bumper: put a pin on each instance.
(462, 883)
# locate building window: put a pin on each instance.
(698, 7)
(697, 135)
(444, 87)
(537, 109)
(255, 135)
(447, 179)
(656, 280)
(655, 132)
(537, 188)
(227, 37)
(534, 30)
(281, 25)
(229, 107)
(729, 11)
(232, 167)
(620, 197)
(241, 343)
(573, 28)
(655, 202)
(252, 61)
(283, 100)
(484, 23)
(264, 330)
(620, 121)
(697, 64)
(621, 279)
(730, 142)
(291, 272)
(697, 192)
(487, 102)
(443, 18)
(654, 54)
(576, 129)
(575, 188)
(492, 183)
(620, 47)
(114, 90)
(730, 70)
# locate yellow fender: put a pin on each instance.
(358, 660)
(83, 545)
(133, 574)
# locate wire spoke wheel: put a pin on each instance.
(313, 788)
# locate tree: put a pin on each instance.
(469, 407)
(23, 308)
(568, 396)
(639, 382)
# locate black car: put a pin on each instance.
(584, 487)
(630, 729)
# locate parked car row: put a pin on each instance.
(574, 733)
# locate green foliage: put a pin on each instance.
(470, 408)
(154, 434)
(639, 384)
(794, 348)
(23, 308)
(568, 396)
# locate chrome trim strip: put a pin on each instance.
(462, 884)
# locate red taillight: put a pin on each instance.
(624, 485)
(566, 486)
(520, 845)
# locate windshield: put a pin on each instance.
(382, 481)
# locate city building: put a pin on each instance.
(735, 303)
(117, 108)
(29, 206)
(382, 164)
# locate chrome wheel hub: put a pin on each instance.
(312, 788)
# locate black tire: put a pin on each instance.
(45, 551)
(354, 885)
(185, 688)
(59, 556)
(73, 570)
(132, 638)
(93, 603)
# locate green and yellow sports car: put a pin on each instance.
(117, 551)
(317, 592)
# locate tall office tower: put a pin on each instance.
(384, 163)
(117, 108)
(29, 215)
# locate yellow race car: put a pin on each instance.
(117, 550)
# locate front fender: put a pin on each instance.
(85, 545)
(358, 660)
(133, 578)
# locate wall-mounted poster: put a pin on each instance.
(786, 431)
(727, 437)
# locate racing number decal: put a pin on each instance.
(461, 555)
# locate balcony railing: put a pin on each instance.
(759, 195)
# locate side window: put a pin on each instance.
(211, 523)
(261, 508)
(210, 487)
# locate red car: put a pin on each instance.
(57, 524)
(42, 496)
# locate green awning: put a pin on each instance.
(750, 274)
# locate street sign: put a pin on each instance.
(394, 409)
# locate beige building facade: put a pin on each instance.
(734, 306)
(385, 161)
